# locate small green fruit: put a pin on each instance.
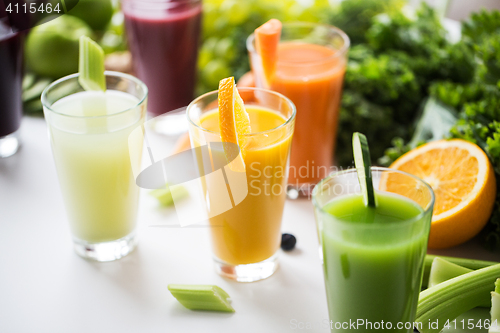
(96, 13)
(52, 47)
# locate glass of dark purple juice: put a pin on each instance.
(163, 36)
(11, 76)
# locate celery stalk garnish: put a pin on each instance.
(91, 65)
(449, 299)
(166, 195)
(495, 309)
(201, 297)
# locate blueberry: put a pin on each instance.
(288, 242)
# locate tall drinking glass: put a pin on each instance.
(246, 235)
(311, 63)
(11, 77)
(89, 132)
(163, 36)
(373, 257)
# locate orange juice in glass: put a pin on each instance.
(311, 61)
(246, 237)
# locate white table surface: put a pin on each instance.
(46, 287)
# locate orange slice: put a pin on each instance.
(463, 181)
(234, 121)
(267, 38)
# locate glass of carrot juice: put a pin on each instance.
(310, 67)
(246, 237)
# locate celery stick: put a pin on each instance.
(467, 263)
(91, 65)
(164, 195)
(35, 90)
(443, 270)
(449, 299)
(495, 309)
(28, 81)
(201, 297)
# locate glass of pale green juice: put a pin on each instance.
(373, 257)
(89, 132)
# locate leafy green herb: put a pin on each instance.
(481, 24)
(355, 17)
(386, 81)
(389, 75)
(357, 112)
(416, 37)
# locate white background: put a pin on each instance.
(46, 287)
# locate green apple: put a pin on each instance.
(96, 13)
(52, 48)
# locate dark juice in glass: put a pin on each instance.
(11, 76)
(163, 37)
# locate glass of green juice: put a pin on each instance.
(373, 257)
(89, 133)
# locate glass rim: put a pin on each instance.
(374, 225)
(286, 99)
(106, 73)
(339, 53)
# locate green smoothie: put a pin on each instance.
(373, 261)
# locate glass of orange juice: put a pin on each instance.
(310, 67)
(246, 236)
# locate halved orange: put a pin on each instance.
(234, 121)
(463, 181)
(267, 38)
